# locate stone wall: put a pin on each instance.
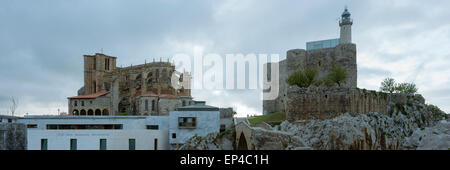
(326, 103)
(13, 136)
(323, 60)
(101, 104)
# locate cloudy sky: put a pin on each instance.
(42, 42)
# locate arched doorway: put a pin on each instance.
(242, 145)
(83, 112)
(90, 112)
(75, 112)
(98, 112)
(105, 112)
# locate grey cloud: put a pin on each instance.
(43, 41)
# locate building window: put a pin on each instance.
(9, 120)
(155, 146)
(83, 112)
(31, 126)
(75, 103)
(102, 144)
(73, 144)
(98, 112)
(146, 105)
(90, 112)
(153, 127)
(222, 128)
(1, 120)
(105, 112)
(153, 105)
(106, 63)
(44, 144)
(174, 135)
(84, 126)
(131, 144)
(187, 122)
(82, 103)
(184, 103)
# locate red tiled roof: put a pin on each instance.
(166, 92)
(170, 97)
(90, 96)
(183, 94)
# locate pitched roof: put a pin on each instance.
(90, 96)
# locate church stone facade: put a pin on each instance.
(144, 89)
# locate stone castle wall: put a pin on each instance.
(326, 103)
(323, 60)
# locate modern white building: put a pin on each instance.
(188, 121)
(121, 132)
(96, 132)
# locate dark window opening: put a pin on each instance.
(146, 105)
(174, 135)
(222, 128)
(31, 126)
(44, 144)
(153, 127)
(84, 127)
(73, 144)
(187, 122)
(131, 144)
(153, 105)
(102, 144)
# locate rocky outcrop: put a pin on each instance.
(373, 131)
(212, 141)
(431, 138)
(266, 139)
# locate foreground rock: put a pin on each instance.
(269, 139)
(213, 141)
(399, 129)
(431, 138)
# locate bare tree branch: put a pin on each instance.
(14, 105)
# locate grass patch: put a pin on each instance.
(272, 118)
(122, 114)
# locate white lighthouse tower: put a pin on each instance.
(346, 28)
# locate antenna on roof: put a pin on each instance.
(101, 50)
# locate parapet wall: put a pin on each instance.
(326, 103)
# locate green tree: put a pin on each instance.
(408, 88)
(338, 75)
(388, 85)
(302, 78)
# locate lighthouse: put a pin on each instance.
(346, 28)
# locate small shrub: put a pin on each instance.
(302, 78)
(338, 75)
(407, 88)
(388, 85)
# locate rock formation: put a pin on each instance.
(399, 129)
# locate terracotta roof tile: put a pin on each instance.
(90, 96)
